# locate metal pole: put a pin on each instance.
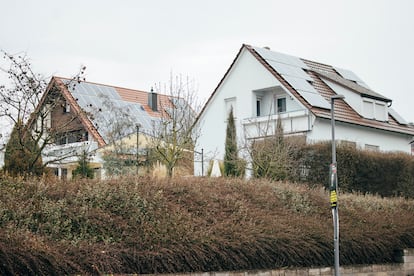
(334, 187)
(137, 149)
(202, 162)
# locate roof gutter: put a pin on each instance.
(373, 127)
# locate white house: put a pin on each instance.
(262, 85)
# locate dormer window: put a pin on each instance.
(230, 104)
(374, 109)
(368, 109)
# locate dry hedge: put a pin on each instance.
(143, 225)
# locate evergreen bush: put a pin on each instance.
(83, 170)
(20, 156)
(233, 165)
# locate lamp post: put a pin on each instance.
(202, 160)
(334, 186)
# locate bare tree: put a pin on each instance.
(117, 125)
(270, 152)
(174, 136)
(23, 100)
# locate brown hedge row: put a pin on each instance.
(143, 225)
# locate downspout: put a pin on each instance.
(309, 120)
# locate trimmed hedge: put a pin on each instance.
(143, 225)
(385, 174)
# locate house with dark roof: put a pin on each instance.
(97, 118)
(263, 86)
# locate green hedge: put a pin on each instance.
(385, 174)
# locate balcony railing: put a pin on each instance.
(68, 152)
(292, 122)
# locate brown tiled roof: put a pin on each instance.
(141, 97)
(343, 112)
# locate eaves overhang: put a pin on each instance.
(369, 124)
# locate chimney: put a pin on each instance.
(153, 100)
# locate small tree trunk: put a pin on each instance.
(170, 170)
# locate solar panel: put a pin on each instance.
(108, 108)
(92, 90)
(95, 90)
(315, 99)
(397, 116)
(289, 70)
(300, 84)
(349, 75)
(279, 57)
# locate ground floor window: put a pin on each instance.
(371, 147)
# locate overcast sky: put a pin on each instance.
(136, 44)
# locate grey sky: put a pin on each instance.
(136, 44)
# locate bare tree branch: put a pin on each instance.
(29, 100)
(174, 136)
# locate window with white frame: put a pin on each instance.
(349, 144)
(230, 103)
(374, 109)
(368, 107)
(371, 147)
(380, 111)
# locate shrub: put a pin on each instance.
(83, 170)
(21, 155)
(143, 225)
(386, 174)
(233, 165)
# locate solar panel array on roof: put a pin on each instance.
(300, 84)
(292, 70)
(281, 58)
(106, 107)
(349, 75)
(289, 70)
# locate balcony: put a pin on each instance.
(293, 122)
(67, 153)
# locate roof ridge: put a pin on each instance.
(113, 86)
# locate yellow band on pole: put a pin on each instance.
(333, 198)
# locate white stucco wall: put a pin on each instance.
(387, 141)
(246, 75)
